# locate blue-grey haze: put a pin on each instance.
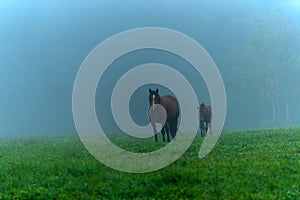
(43, 43)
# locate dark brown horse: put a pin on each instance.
(171, 107)
(204, 119)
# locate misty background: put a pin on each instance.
(255, 44)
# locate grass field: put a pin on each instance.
(261, 164)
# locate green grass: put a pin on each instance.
(243, 165)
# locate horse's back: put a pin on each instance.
(171, 105)
(172, 98)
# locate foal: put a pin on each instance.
(204, 119)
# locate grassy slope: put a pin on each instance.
(255, 164)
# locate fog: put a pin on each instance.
(255, 44)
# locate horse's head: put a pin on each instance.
(154, 97)
(202, 107)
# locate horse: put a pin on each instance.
(205, 118)
(171, 107)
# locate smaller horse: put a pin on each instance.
(171, 109)
(204, 119)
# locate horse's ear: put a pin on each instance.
(156, 91)
(150, 90)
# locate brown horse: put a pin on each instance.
(204, 119)
(170, 104)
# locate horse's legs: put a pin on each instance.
(202, 129)
(210, 128)
(168, 131)
(155, 131)
(163, 133)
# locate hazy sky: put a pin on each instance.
(43, 43)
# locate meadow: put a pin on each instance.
(262, 164)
